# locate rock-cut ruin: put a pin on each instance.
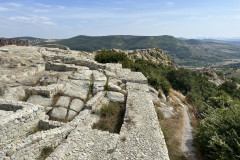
(50, 99)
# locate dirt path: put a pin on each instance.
(187, 141)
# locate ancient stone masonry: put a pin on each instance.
(11, 41)
(51, 98)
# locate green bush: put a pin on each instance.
(218, 135)
(110, 109)
(231, 88)
(108, 56)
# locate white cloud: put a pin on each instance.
(14, 4)
(3, 9)
(49, 23)
(236, 17)
(61, 7)
(169, 4)
(32, 19)
(42, 5)
(41, 10)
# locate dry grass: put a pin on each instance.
(173, 131)
(111, 120)
(173, 127)
(178, 94)
(176, 97)
(195, 123)
(160, 115)
(45, 153)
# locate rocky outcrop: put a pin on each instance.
(152, 54)
(63, 102)
(211, 74)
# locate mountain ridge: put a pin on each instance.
(186, 52)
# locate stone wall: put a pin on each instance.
(31, 146)
(11, 41)
(18, 120)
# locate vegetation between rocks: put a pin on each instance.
(45, 153)
(111, 118)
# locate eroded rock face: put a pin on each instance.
(59, 113)
(77, 105)
(65, 91)
(115, 97)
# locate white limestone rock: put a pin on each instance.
(59, 113)
(115, 97)
(95, 100)
(110, 74)
(77, 105)
(63, 101)
(74, 90)
(114, 87)
(37, 99)
(71, 115)
(99, 76)
(168, 111)
(163, 97)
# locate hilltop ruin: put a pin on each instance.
(51, 98)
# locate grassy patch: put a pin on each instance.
(106, 86)
(90, 90)
(45, 153)
(34, 130)
(172, 130)
(111, 120)
(160, 115)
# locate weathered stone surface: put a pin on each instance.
(98, 86)
(144, 139)
(114, 87)
(60, 67)
(24, 116)
(36, 99)
(97, 107)
(95, 100)
(47, 91)
(113, 66)
(115, 97)
(59, 113)
(127, 76)
(167, 110)
(13, 93)
(75, 90)
(75, 74)
(81, 75)
(63, 101)
(99, 76)
(71, 115)
(76, 105)
(115, 81)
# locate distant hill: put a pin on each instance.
(188, 52)
(27, 38)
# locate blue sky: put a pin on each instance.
(68, 18)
